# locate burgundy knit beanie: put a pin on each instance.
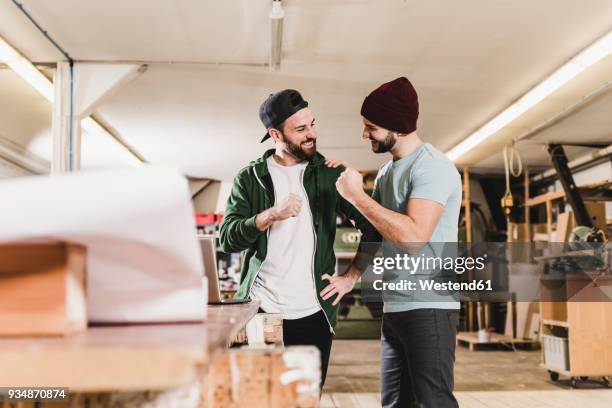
(393, 106)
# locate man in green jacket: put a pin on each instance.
(282, 211)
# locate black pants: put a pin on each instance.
(417, 358)
(311, 330)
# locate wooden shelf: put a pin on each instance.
(123, 358)
(472, 340)
(558, 323)
(588, 334)
(599, 191)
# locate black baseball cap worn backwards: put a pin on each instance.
(278, 107)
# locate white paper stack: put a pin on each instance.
(144, 260)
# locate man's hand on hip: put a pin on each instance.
(338, 285)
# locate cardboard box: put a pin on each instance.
(42, 289)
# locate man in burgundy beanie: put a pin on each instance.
(415, 206)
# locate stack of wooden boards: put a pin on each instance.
(43, 313)
(42, 289)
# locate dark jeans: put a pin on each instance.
(311, 330)
(417, 358)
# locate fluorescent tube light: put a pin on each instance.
(276, 16)
(29, 73)
(589, 56)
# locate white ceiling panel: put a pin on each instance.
(148, 30)
(468, 60)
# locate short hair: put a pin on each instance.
(280, 127)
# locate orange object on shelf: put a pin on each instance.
(42, 289)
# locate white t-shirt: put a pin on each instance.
(285, 282)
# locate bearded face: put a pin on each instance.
(386, 144)
(304, 150)
(299, 135)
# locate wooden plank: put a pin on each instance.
(525, 315)
(544, 198)
(23, 258)
(468, 205)
(42, 289)
(122, 358)
(549, 220)
(585, 191)
(556, 323)
(590, 331)
(597, 212)
(564, 226)
(526, 207)
(467, 197)
(471, 340)
(553, 311)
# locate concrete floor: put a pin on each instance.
(354, 368)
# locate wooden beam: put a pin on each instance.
(468, 206)
(204, 186)
(66, 125)
(549, 219)
(527, 208)
(468, 236)
(586, 190)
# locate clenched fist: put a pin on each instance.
(350, 184)
(290, 206)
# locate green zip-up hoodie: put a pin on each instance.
(253, 193)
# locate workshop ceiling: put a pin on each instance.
(196, 104)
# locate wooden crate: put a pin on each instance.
(42, 289)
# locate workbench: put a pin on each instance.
(145, 358)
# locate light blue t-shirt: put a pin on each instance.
(427, 174)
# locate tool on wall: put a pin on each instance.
(586, 230)
(507, 201)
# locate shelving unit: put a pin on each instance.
(587, 328)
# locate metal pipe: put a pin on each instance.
(580, 161)
(43, 31)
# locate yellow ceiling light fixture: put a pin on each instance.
(586, 58)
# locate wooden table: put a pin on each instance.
(123, 358)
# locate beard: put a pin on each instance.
(301, 152)
(385, 145)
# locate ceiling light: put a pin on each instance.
(28, 72)
(276, 16)
(589, 56)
